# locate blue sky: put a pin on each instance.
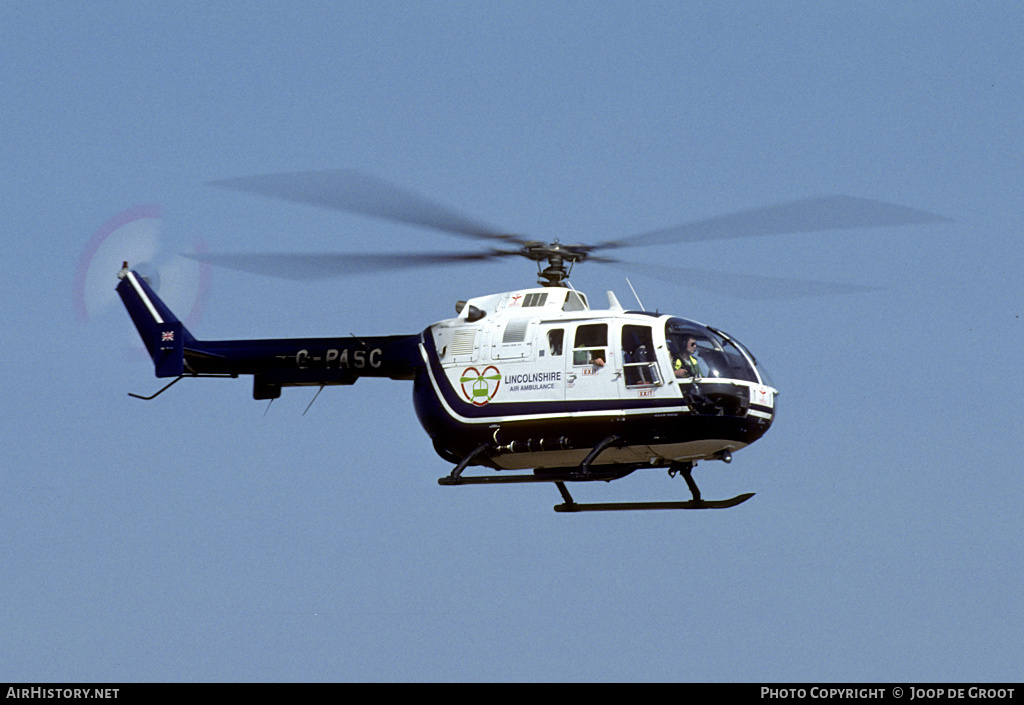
(204, 537)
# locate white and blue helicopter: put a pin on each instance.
(535, 385)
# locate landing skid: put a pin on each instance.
(570, 505)
(689, 504)
(584, 474)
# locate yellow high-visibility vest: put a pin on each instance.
(691, 364)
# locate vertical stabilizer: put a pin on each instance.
(162, 333)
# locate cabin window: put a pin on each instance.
(555, 338)
(639, 364)
(590, 347)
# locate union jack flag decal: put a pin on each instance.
(167, 336)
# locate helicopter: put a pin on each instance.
(536, 384)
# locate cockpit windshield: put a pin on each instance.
(699, 351)
(762, 373)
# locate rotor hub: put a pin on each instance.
(557, 257)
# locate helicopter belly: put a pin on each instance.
(636, 455)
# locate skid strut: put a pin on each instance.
(455, 478)
(596, 451)
(686, 469)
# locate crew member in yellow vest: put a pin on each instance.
(685, 363)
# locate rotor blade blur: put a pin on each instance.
(306, 267)
(751, 287)
(355, 192)
(803, 216)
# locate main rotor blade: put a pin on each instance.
(751, 287)
(305, 267)
(803, 216)
(355, 192)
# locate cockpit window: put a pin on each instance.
(716, 356)
(761, 371)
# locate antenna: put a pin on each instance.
(314, 398)
(635, 294)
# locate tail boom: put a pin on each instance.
(274, 363)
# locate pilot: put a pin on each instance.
(685, 363)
